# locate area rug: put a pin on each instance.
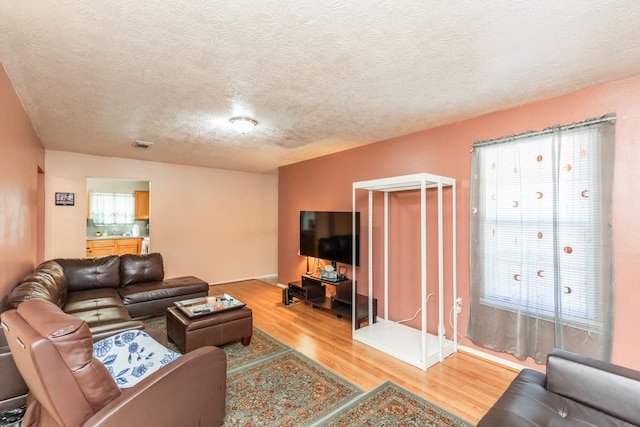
(12, 417)
(262, 345)
(284, 390)
(391, 405)
(270, 384)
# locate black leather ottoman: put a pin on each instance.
(213, 329)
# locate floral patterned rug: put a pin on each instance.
(391, 405)
(270, 384)
(11, 417)
(288, 389)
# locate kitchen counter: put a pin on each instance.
(113, 245)
(114, 237)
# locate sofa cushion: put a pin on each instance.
(527, 403)
(91, 273)
(30, 290)
(141, 268)
(593, 383)
(149, 291)
(56, 272)
(104, 316)
(47, 281)
(92, 299)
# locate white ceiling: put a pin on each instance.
(319, 76)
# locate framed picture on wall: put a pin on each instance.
(65, 199)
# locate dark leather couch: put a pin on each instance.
(576, 391)
(108, 293)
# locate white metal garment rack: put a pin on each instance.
(417, 347)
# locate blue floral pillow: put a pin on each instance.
(132, 356)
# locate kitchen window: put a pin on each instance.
(111, 208)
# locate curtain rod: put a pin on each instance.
(607, 118)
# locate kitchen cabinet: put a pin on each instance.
(104, 247)
(141, 204)
(101, 247)
(128, 246)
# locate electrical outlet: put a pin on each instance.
(458, 305)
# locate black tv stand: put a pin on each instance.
(312, 290)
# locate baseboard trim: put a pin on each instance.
(491, 358)
(242, 279)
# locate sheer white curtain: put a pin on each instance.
(541, 274)
(112, 208)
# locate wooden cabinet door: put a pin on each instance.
(102, 251)
(127, 246)
(141, 204)
(100, 247)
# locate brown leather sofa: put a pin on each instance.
(108, 293)
(68, 387)
(576, 391)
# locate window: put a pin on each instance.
(540, 227)
(112, 208)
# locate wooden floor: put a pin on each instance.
(463, 384)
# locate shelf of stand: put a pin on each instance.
(344, 308)
(324, 302)
(305, 291)
(312, 290)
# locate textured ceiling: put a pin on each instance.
(318, 75)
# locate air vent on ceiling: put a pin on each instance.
(142, 144)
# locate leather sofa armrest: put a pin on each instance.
(190, 391)
(105, 331)
(609, 388)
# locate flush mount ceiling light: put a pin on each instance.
(243, 124)
(142, 144)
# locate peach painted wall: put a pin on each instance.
(325, 184)
(21, 154)
(216, 224)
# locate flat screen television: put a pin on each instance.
(329, 236)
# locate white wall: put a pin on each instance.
(109, 185)
(216, 224)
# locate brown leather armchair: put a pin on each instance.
(68, 387)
